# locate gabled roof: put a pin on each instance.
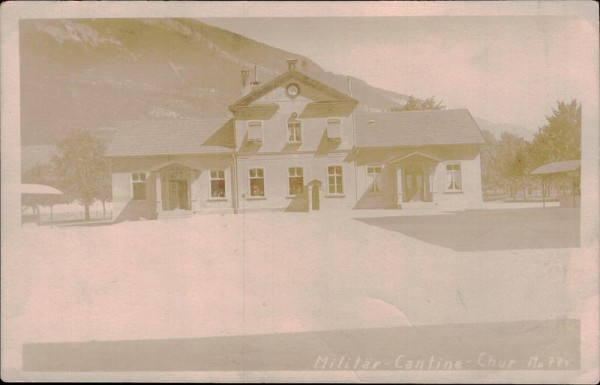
(417, 128)
(173, 136)
(291, 74)
(415, 154)
(556, 167)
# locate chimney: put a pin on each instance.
(245, 79)
(255, 82)
(292, 63)
(349, 80)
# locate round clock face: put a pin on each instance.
(292, 90)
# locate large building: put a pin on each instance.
(296, 144)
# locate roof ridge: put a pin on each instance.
(178, 119)
(399, 112)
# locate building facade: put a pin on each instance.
(296, 144)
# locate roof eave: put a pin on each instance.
(419, 145)
(228, 151)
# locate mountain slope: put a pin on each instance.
(499, 128)
(97, 73)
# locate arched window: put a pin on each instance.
(294, 131)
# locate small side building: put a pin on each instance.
(418, 158)
(172, 167)
(569, 170)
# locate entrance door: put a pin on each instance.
(315, 197)
(178, 195)
(414, 186)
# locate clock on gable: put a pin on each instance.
(292, 90)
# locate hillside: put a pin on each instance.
(498, 128)
(96, 73)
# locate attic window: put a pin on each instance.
(334, 129)
(255, 132)
(294, 131)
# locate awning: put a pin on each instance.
(39, 189)
(558, 167)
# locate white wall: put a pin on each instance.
(200, 192)
(276, 180)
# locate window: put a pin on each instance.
(294, 131)
(255, 132)
(295, 180)
(217, 184)
(335, 179)
(334, 129)
(257, 182)
(138, 185)
(453, 177)
(374, 178)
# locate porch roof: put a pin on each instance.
(173, 136)
(415, 154)
(557, 167)
(417, 128)
(39, 189)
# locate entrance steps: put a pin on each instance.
(168, 214)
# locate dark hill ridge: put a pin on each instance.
(96, 73)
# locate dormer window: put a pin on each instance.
(334, 129)
(294, 131)
(255, 132)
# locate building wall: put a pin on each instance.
(469, 158)
(277, 187)
(126, 208)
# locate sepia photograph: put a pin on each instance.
(300, 192)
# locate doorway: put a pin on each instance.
(413, 183)
(316, 204)
(178, 195)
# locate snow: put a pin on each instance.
(263, 272)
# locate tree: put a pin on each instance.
(82, 168)
(512, 162)
(490, 177)
(105, 190)
(560, 138)
(414, 104)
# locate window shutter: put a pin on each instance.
(255, 132)
(334, 129)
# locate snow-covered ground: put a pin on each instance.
(264, 272)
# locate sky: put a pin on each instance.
(506, 69)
